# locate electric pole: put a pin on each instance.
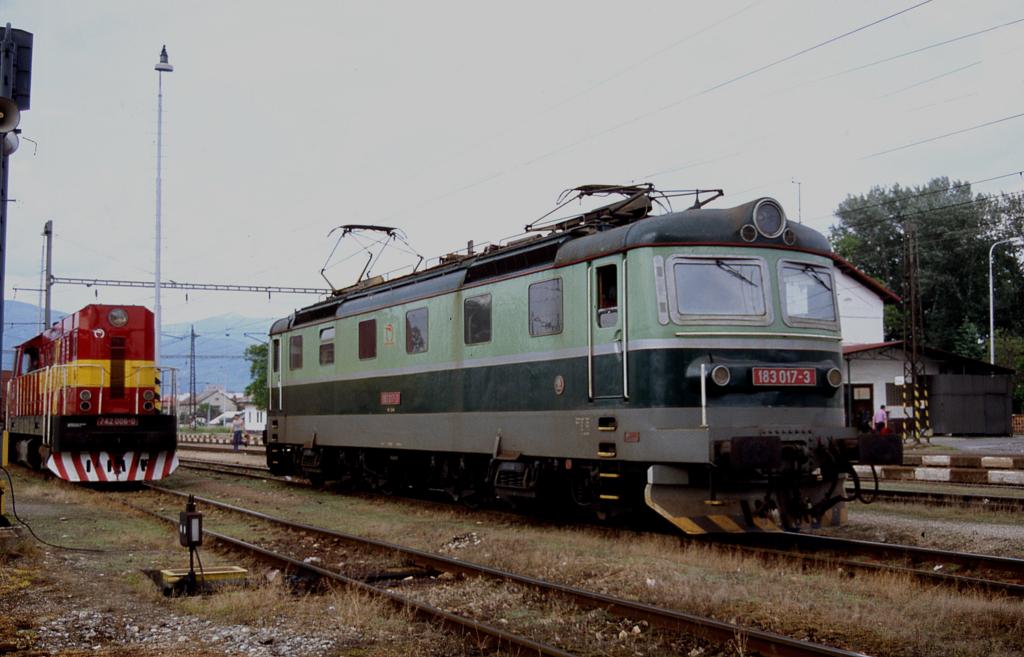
(192, 375)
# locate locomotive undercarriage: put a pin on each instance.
(754, 484)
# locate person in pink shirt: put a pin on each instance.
(880, 419)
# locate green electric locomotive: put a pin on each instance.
(689, 361)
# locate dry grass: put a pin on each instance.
(878, 614)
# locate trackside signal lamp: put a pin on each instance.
(190, 525)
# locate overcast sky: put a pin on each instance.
(464, 120)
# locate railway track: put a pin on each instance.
(672, 621)
(957, 570)
(942, 498)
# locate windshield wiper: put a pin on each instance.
(735, 272)
(808, 269)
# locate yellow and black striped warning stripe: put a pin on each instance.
(717, 524)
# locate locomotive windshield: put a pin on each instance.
(719, 286)
(807, 292)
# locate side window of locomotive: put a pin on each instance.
(546, 307)
(607, 296)
(327, 346)
(367, 339)
(295, 352)
(416, 331)
(476, 317)
(719, 287)
(276, 361)
(807, 293)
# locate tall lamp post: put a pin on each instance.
(991, 299)
(161, 67)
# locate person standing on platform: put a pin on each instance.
(881, 419)
(237, 429)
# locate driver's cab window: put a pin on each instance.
(607, 296)
(30, 360)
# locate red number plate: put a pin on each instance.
(785, 376)
(117, 422)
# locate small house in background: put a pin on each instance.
(965, 396)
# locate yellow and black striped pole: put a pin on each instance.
(924, 413)
(903, 403)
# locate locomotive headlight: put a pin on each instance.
(85, 406)
(85, 395)
(147, 406)
(769, 218)
(834, 377)
(118, 317)
(721, 375)
(148, 395)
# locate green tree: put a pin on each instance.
(954, 231)
(968, 341)
(256, 354)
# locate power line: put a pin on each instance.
(931, 79)
(920, 194)
(814, 47)
(908, 53)
(215, 287)
(948, 134)
(725, 83)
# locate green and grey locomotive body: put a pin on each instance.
(690, 360)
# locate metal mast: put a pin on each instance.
(161, 67)
(915, 392)
(192, 376)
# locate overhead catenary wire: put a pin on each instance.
(943, 136)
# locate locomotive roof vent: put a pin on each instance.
(769, 218)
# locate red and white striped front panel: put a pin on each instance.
(102, 467)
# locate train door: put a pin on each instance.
(275, 392)
(607, 330)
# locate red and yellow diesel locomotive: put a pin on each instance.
(87, 400)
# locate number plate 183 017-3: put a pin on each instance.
(785, 376)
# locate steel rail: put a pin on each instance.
(250, 471)
(993, 502)
(766, 643)
(495, 637)
(811, 547)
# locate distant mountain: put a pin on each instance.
(220, 350)
(220, 344)
(21, 322)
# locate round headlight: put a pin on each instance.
(85, 406)
(789, 237)
(748, 233)
(834, 377)
(147, 406)
(85, 395)
(721, 375)
(769, 218)
(118, 317)
(148, 395)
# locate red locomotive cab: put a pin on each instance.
(86, 397)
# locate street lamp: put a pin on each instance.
(991, 299)
(799, 200)
(161, 67)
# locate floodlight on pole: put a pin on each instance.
(162, 66)
(991, 298)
